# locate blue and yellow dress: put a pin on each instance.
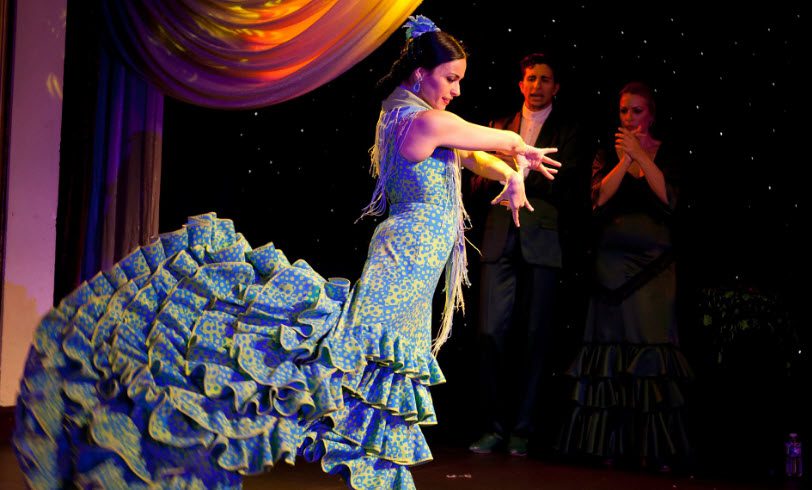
(197, 359)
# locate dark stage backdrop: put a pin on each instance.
(729, 89)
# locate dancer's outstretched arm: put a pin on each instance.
(435, 128)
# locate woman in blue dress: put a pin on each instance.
(197, 359)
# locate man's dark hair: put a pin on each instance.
(533, 59)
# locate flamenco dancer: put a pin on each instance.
(197, 359)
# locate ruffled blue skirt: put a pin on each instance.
(197, 359)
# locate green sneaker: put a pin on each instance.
(517, 446)
(486, 443)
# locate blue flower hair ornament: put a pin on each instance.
(417, 25)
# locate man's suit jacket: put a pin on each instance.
(539, 231)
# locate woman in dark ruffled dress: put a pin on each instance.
(197, 358)
(628, 373)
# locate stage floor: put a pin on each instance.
(459, 469)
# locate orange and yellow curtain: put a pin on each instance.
(241, 54)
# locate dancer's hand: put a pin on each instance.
(513, 197)
(537, 159)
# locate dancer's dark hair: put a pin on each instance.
(426, 50)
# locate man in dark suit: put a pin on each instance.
(521, 267)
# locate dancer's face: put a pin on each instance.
(439, 86)
(538, 86)
(635, 113)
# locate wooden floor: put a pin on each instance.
(459, 469)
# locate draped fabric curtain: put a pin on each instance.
(122, 211)
(247, 54)
(229, 54)
(109, 178)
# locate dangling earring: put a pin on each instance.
(416, 86)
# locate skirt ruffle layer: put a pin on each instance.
(628, 402)
(197, 359)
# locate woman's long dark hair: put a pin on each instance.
(427, 51)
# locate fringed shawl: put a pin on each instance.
(397, 114)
